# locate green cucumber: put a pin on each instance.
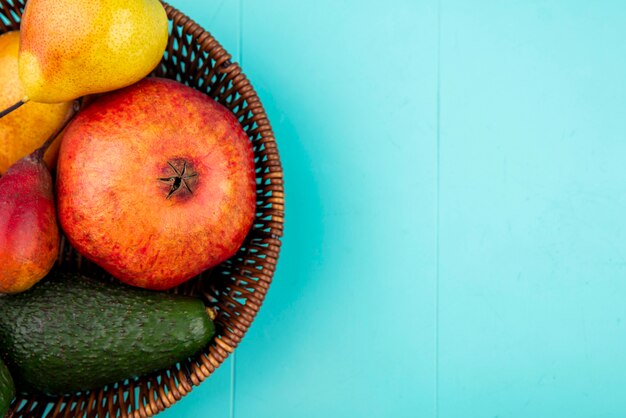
(7, 390)
(70, 333)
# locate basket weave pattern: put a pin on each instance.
(236, 288)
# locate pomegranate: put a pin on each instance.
(156, 183)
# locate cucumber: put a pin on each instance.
(70, 333)
(7, 390)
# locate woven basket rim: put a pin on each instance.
(149, 395)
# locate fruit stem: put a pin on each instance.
(13, 107)
(39, 152)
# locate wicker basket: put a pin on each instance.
(237, 287)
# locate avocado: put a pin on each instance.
(70, 333)
(7, 390)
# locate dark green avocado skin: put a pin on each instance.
(70, 333)
(7, 390)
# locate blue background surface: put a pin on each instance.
(456, 201)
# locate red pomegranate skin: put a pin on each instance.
(156, 183)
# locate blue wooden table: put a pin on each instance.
(456, 209)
